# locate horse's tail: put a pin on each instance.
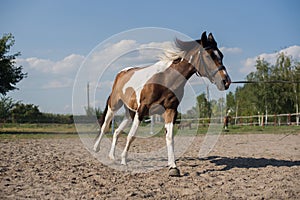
(102, 117)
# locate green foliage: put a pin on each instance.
(201, 110)
(230, 101)
(56, 118)
(6, 104)
(10, 74)
(204, 106)
(25, 113)
(275, 98)
(29, 113)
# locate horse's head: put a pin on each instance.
(206, 58)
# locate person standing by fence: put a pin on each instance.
(227, 118)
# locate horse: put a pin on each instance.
(159, 88)
(185, 124)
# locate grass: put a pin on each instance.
(37, 131)
(265, 130)
(37, 128)
(47, 131)
(16, 136)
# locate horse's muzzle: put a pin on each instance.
(227, 83)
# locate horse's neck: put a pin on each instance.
(178, 74)
(184, 68)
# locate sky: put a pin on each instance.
(56, 37)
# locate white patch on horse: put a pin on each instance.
(170, 145)
(141, 76)
(217, 54)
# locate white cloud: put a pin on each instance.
(249, 63)
(159, 45)
(126, 53)
(111, 51)
(43, 65)
(106, 61)
(66, 65)
(231, 50)
(103, 56)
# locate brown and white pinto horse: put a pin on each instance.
(158, 89)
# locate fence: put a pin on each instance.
(254, 120)
(267, 120)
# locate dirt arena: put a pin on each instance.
(248, 166)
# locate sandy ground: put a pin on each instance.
(250, 166)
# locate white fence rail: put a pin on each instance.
(267, 120)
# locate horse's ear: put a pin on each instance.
(212, 40)
(204, 41)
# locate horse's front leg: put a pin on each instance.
(169, 119)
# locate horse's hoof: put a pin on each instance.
(96, 149)
(123, 163)
(174, 172)
(111, 157)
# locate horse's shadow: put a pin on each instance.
(242, 162)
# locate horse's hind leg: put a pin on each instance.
(122, 126)
(105, 126)
(113, 104)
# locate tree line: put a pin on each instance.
(17, 112)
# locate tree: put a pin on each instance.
(261, 93)
(10, 74)
(230, 101)
(204, 106)
(296, 88)
(6, 104)
(25, 113)
(276, 90)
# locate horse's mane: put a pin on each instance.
(178, 50)
(173, 52)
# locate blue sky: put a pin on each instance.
(55, 36)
